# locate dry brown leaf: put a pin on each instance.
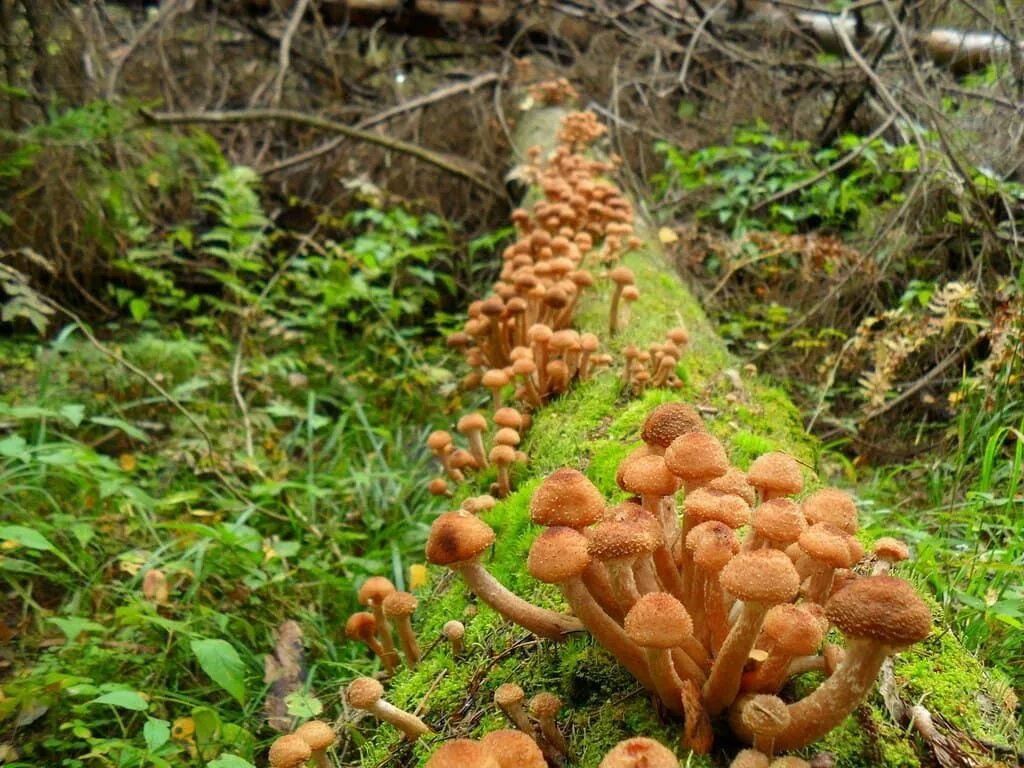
(285, 672)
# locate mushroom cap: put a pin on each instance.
(360, 626)
(462, 753)
(462, 459)
(494, 378)
(658, 620)
(508, 695)
(794, 629)
(374, 589)
(545, 705)
(696, 457)
(639, 752)
(318, 734)
(477, 504)
(734, 481)
(506, 436)
(622, 276)
(558, 554)
(713, 544)
(399, 604)
(637, 453)
(456, 537)
(512, 749)
(648, 476)
(776, 473)
(364, 692)
(289, 751)
(831, 545)
(508, 417)
(880, 608)
(750, 758)
(502, 454)
(471, 422)
(893, 550)
(678, 335)
(566, 497)
(789, 761)
(625, 531)
(702, 505)
(779, 520)
(668, 421)
(539, 333)
(453, 630)
(438, 440)
(766, 715)
(761, 576)
(831, 505)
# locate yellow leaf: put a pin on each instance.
(417, 575)
(667, 236)
(153, 179)
(127, 462)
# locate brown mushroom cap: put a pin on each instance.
(375, 589)
(794, 629)
(776, 473)
(713, 544)
(471, 422)
(734, 481)
(512, 749)
(658, 620)
(696, 457)
(831, 545)
(289, 751)
(318, 734)
(627, 529)
(506, 436)
(668, 421)
(495, 378)
(789, 761)
(831, 505)
(545, 704)
(508, 417)
(750, 758)
(438, 440)
(622, 276)
(639, 752)
(893, 550)
(360, 626)
(780, 521)
(508, 695)
(566, 497)
(456, 537)
(462, 753)
(558, 554)
(399, 604)
(765, 715)
(453, 630)
(702, 505)
(648, 476)
(761, 576)
(881, 608)
(364, 692)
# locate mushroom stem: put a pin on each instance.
(540, 621)
(390, 655)
(697, 733)
(404, 721)
(667, 684)
(407, 638)
(724, 681)
(613, 314)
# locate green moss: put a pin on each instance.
(591, 429)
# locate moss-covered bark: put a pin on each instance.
(591, 429)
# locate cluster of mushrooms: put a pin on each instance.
(549, 92)
(712, 601)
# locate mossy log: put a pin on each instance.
(591, 429)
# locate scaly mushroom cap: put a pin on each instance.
(558, 554)
(318, 734)
(831, 505)
(399, 604)
(734, 481)
(289, 751)
(702, 505)
(626, 529)
(893, 550)
(545, 705)
(375, 589)
(471, 422)
(668, 421)
(512, 749)
(658, 620)
(453, 630)
(776, 473)
(462, 459)
(765, 715)
(637, 453)
(881, 608)
(364, 692)
(639, 752)
(456, 537)
(713, 544)
(566, 497)
(462, 753)
(502, 454)
(761, 576)
(696, 457)
(750, 758)
(780, 521)
(360, 626)
(508, 695)
(648, 476)
(831, 545)
(794, 629)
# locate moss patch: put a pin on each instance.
(591, 429)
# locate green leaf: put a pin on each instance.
(229, 761)
(73, 626)
(12, 446)
(221, 662)
(26, 537)
(129, 429)
(302, 705)
(73, 412)
(132, 700)
(157, 732)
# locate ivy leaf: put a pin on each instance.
(221, 662)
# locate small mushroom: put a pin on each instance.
(473, 426)
(362, 626)
(289, 751)
(621, 276)
(372, 593)
(639, 752)
(400, 607)
(888, 551)
(453, 632)
(749, 758)
(510, 697)
(775, 474)
(366, 693)
(544, 707)
(320, 737)
(512, 749)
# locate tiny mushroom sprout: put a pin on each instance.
(400, 607)
(658, 622)
(473, 426)
(320, 737)
(367, 694)
(621, 276)
(879, 615)
(462, 753)
(513, 749)
(639, 752)
(457, 539)
(888, 551)
(453, 632)
(289, 751)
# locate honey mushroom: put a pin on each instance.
(367, 694)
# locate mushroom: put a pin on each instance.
(453, 632)
(621, 276)
(372, 593)
(667, 422)
(775, 474)
(544, 707)
(639, 752)
(712, 545)
(761, 579)
(734, 481)
(776, 523)
(473, 425)
(696, 458)
(658, 622)
(789, 761)
(320, 737)
(462, 753)
(888, 551)
(400, 606)
(831, 505)
(749, 758)
(439, 487)
(362, 626)
(879, 615)
(788, 631)
(495, 380)
(828, 548)
(366, 693)
(763, 717)
(512, 749)
(289, 751)
(440, 444)
(456, 540)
